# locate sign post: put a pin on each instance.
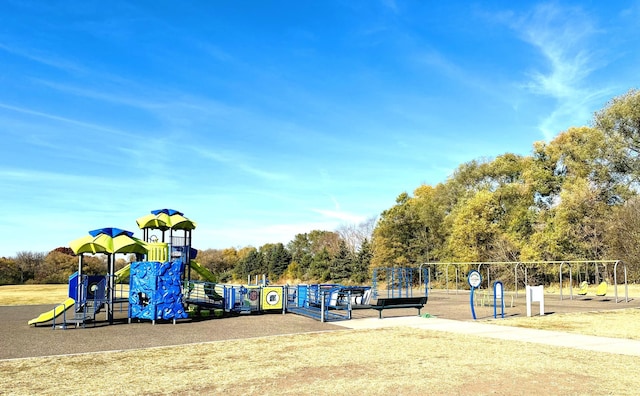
(498, 293)
(474, 279)
(535, 294)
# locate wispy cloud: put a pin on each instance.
(44, 58)
(340, 215)
(438, 62)
(131, 93)
(238, 161)
(392, 5)
(83, 141)
(62, 119)
(565, 38)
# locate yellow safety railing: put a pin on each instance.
(158, 251)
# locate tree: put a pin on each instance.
(9, 271)
(28, 263)
(324, 240)
(305, 248)
(579, 222)
(230, 257)
(219, 262)
(56, 268)
(399, 236)
(354, 234)
(432, 206)
(579, 187)
(299, 247)
(319, 268)
(250, 264)
(623, 236)
(341, 266)
(620, 120)
(362, 263)
(94, 265)
(474, 228)
(588, 153)
(293, 272)
(276, 259)
(210, 259)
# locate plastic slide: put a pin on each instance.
(54, 313)
(207, 275)
(203, 272)
(123, 273)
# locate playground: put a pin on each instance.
(165, 283)
(293, 354)
(146, 338)
(20, 341)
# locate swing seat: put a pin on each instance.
(582, 291)
(601, 290)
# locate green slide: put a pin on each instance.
(207, 275)
(123, 273)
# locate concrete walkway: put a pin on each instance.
(545, 337)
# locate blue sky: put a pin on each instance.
(263, 119)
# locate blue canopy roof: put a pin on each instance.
(111, 231)
(170, 212)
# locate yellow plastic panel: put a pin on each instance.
(158, 251)
(272, 297)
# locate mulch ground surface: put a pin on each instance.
(19, 340)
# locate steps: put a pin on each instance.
(86, 314)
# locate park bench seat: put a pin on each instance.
(397, 303)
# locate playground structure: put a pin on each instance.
(599, 273)
(400, 281)
(327, 302)
(160, 284)
(161, 287)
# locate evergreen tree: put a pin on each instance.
(362, 263)
(276, 259)
(341, 266)
(319, 269)
(251, 264)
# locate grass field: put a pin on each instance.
(392, 361)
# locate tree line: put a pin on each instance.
(342, 256)
(573, 198)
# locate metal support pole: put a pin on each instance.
(570, 281)
(615, 281)
(285, 296)
(322, 318)
(349, 305)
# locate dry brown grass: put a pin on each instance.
(32, 294)
(379, 362)
(37, 294)
(392, 361)
(622, 323)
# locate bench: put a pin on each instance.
(399, 302)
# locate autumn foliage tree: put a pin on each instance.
(573, 198)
